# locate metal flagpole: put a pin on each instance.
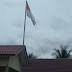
(23, 39)
(24, 25)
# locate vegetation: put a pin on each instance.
(32, 56)
(63, 52)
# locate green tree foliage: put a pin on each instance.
(63, 52)
(32, 56)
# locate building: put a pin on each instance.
(48, 65)
(12, 58)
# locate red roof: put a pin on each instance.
(48, 65)
(10, 49)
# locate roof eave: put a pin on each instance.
(1, 55)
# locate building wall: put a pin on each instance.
(14, 62)
(4, 61)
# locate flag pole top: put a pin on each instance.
(26, 1)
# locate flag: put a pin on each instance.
(29, 13)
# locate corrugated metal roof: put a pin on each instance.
(49, 65)
(10, 49)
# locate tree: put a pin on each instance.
(32, 56)
(63, 52)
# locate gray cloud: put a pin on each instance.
(54, 25)
(9, 42)
(60, 24)
(17, 23)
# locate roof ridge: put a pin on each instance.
(52, 59)
(10, 45)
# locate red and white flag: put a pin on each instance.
(29, 14)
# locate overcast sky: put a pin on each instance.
(54, 25)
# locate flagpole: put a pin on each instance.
(24, 25)
(23, 39)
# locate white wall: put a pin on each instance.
(14, 62)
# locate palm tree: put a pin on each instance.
(32, 56)
(63, 52)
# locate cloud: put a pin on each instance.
(61, 25)
(41, 46)
(9, 42)
(51, 32)
(17, 23)
(46, 48)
